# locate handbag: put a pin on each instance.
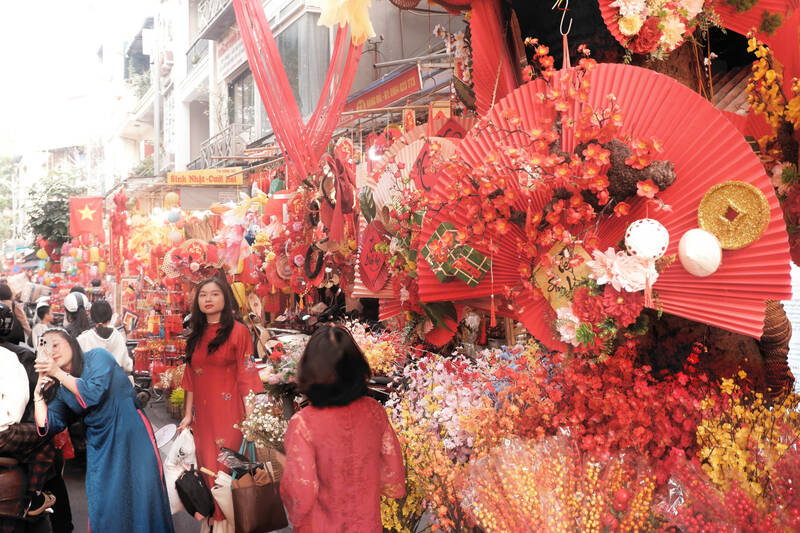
(258, 508)
(194, 493)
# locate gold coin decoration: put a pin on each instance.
(735, 212)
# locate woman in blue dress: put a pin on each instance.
(124, 482)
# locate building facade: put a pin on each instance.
(189, 101)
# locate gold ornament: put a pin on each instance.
(735, 212)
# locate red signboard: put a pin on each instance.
(403, 84)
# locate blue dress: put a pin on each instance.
(124, 482)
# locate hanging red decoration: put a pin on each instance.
(494, 73)
(303, 143)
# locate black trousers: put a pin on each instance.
(61, 519)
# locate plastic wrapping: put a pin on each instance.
(237, 462)
(548, 486)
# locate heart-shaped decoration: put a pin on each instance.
(372, 263)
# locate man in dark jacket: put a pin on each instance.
(21, 441)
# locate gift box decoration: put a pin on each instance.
(449, 260)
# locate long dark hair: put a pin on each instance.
(78, 321)
(77, 359)
(199, 322)
(332, 370)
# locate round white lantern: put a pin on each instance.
(647, 238)
(699, 252)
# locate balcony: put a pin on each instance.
(196, 54)
(228, 143)
(214, 18)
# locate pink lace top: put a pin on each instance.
(339, 460)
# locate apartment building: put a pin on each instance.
(189, 102)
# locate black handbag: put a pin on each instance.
(194, 493)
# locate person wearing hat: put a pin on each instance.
(45, 321)
(75, 304)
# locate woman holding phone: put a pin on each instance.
(124, 482)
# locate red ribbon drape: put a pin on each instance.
(303, 143)
(494, 72)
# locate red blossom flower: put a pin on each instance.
(791, 206)
(647, 39)
(646, 189)
(624, 306)
(587, 307)
(622, 209)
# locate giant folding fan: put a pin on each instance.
(705, 148)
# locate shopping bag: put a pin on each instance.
(258, 507)
(180, 457)
(221, 491)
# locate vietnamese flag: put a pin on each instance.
(86, 217)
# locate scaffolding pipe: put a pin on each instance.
(398, 62)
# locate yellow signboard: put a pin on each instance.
(211, 176)
(562, 277)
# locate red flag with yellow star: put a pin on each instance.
(86, 217)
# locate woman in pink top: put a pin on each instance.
(341, 452)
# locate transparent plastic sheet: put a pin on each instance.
(548, 486)
(692, 502)
(237, 462)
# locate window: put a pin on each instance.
(305, 49)
(241, 108)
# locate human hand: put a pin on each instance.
(185, 423)
(41, 384)
(45, 365)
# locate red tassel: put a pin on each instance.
(648, 293)
(565, 51)
(493, 318)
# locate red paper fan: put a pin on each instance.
(389, 308)
(450, 128)
(411, 161)
(785, 44)
(504, 270)
(751, 19)
(749, 125)
(706, 149)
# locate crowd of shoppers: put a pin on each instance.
(79, 372)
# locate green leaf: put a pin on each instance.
(437, 312)
(584, 334)
(367, 204)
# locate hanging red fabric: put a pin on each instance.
(303, 144)
(494, 72)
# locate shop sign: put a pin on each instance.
(212, 176)
(403, 84)
(230, 53)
